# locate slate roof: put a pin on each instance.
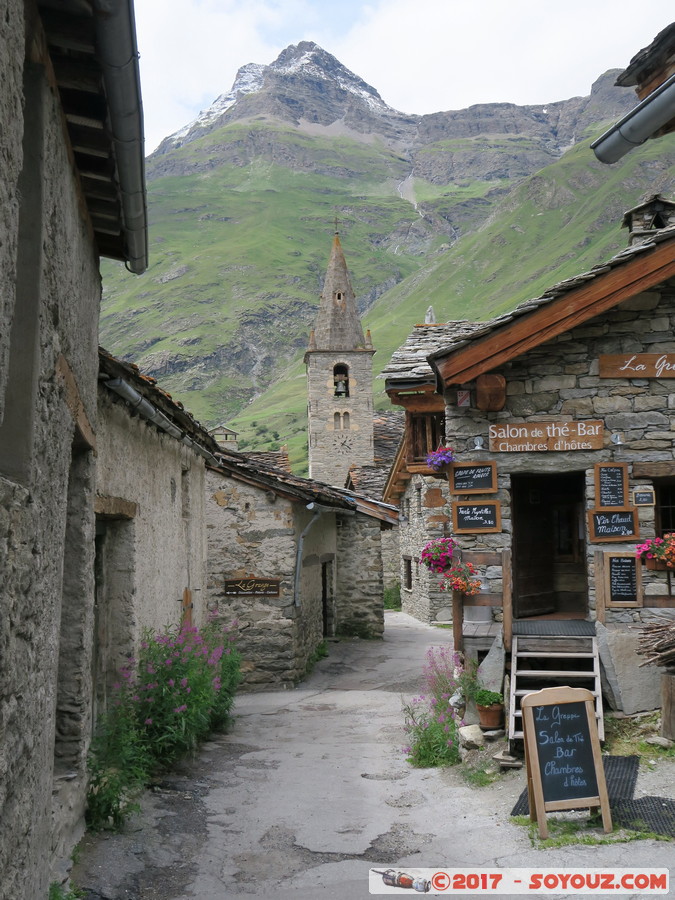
(111, 368)
(294, 487)
(278, 459)
(482, 329)
(409, 362)
(649, 59)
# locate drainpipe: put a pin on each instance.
(146, 410)
(316, 509)
(638, 125)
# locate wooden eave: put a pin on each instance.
(398, 477)
(620, 282)
(418, 399)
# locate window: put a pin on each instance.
(407, 573)
(341, 380)
(426, 432)
(665, 506)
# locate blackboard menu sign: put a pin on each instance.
(623, 584)
(562, 750)
(611, 485)
(644, 497)
(613, 524)
(476, 518)
(473, 478)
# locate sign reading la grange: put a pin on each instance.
(540, 437)
(638, 365)
(250, 586)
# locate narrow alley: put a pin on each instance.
(310, 789)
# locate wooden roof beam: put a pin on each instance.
(577, 306)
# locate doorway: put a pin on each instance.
(549, 558)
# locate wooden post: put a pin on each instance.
(458, 620)
(187, 607)
(668, 705)
(600, 600)
(507, 599)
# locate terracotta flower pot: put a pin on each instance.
(490, 717)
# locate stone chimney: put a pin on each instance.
(652, 215)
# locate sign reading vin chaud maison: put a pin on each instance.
(540, 437)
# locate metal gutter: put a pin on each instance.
(638, 125)
(117, 54)
(150, 413)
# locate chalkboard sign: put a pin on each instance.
(473, 478)
(623, 585)
(611, 485)
(476, 518)
(562, 751)
(644, 497)
(613, 524)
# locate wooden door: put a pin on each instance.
(533, 548)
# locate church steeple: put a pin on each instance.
(339, 379)
(338, 326)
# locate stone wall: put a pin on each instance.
(425, 508)
(560, 380)
(360, 588)
(46, 477)
(252, 531)
(151, 532)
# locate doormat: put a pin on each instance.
(621, 774)
(656, 814)
(555, 627)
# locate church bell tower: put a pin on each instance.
(339, 363)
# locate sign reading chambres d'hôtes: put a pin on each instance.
(542, 437)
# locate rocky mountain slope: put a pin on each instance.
(472, 209)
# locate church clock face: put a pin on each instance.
(342, 445)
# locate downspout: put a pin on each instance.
(147, 411)
(638, 125)
(316, 509)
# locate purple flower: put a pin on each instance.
(180, 709)
(171, 682)
(148, 722)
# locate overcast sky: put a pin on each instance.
(421, 55)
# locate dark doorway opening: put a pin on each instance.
(549, 558)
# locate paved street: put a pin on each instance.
(310, 789)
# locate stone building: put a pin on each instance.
(339, 363)
(293, 561)
(69, 193)
(545, 406)
(150, 533)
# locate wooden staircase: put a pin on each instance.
(551, 660)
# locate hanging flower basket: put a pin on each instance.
(437, 554)
(440, 459)
(658, 553)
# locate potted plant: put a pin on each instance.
(439, 460)
(490, 706)
(461, 576)
(437, 554)
(658, 553)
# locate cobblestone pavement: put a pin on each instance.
(310, 789)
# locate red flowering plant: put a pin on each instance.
(462, 577)
(437, 554)
(658, 548)
(437, 459)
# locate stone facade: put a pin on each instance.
(49, 364)
(253, 530)
(425, 516)
(151, 543)
(559, 381)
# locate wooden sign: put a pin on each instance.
(638, 365)
(250, 586)
(644, 497)
(476, 518)
(473, 478)
(562, 753)
(613, 524)
(542, 437)
(623, 579)
(611, 485)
